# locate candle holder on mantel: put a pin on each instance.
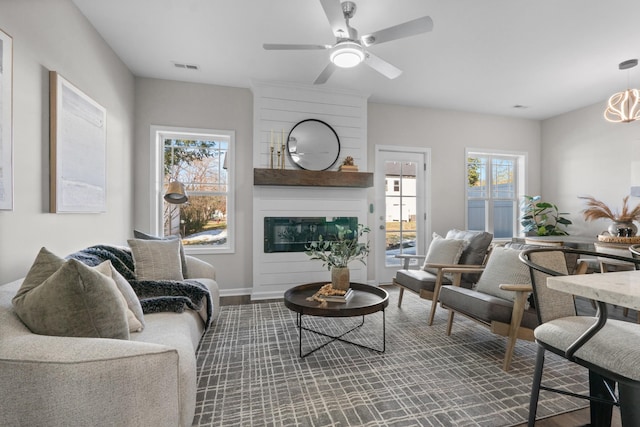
(271, 157)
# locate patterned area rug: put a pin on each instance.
(250, 372)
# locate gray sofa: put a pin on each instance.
(148, 380)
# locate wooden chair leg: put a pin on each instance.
(516, 318)
(400, 294)
(450, 322)
(434, 302)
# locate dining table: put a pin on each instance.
(621, 288)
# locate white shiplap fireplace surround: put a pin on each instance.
(279, 107)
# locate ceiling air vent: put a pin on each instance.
(186, 66)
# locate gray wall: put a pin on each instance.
(54, 35)
(586, 155)
(170, 103)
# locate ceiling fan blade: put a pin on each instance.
(325, 74)
(276, 46)
(382, 66)
(333, 10)
(410, 28)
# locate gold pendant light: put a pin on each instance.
(624, 107)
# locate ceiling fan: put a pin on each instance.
(351, 50)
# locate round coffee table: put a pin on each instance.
(366, 299)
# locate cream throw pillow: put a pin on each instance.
(503, 267)
(156, 259)
(75, 300)
(443, 251)
(135, 316)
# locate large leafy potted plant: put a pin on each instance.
(338, 253)
(540, 218)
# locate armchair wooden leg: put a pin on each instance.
(400, 294)
(516, 319)
(434, 303)
(450, 322)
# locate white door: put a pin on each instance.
(401, 220)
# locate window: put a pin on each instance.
(495, 183)
(201, 160)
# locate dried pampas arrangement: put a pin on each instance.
(598, 210)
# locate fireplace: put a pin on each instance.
(293, 234)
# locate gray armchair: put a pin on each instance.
(499, 300)
(427, 280)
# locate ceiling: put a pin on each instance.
(547, 56)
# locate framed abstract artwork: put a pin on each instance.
(78, 149)
(6, 121)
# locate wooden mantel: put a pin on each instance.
(300, 177)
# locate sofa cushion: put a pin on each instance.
(479, 242)
(45, 264)
(504, 267)
(443, 251)
(475, 251)
(483, 306)
(76, 301)
(156, 259)
(183, 258)
(135, 316)
(416, 280)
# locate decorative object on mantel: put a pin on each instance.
(278, 146)
(622, 223)
(337, 254)
(313, 145)
(540, 218)
(348, 166)
(624, 107)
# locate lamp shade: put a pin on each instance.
(176, 193)
(347, 54)
(623, 107)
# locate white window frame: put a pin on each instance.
(521, 184)
(157, 135)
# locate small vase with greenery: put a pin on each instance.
(622, 222)
(338, 253)
(542, 218)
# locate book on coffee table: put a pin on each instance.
(338, 298)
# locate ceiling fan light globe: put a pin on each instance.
(347, 55)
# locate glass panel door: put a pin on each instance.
(400, 212)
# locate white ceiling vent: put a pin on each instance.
(186, 66)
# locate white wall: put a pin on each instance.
(54, 35)
(586, 155)
(447, 134)
(171, 103)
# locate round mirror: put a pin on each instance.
(313, 145)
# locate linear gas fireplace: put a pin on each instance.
(293, 234)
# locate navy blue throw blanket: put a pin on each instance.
(155, 295)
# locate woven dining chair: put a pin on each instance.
(609, 354)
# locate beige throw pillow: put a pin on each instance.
(183, 258)
(503, 267)
(443, 251)
(75, 300)
(156, 259)
(135, 316)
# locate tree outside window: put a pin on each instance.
(198, 162)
